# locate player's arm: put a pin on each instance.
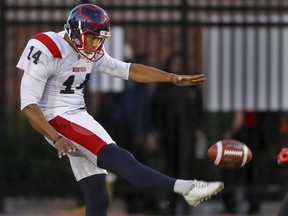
(145, 74)
(38, 67)
(31, 92)
(36, 118)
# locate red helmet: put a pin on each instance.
(88, 18)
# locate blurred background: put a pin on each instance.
(242, 48)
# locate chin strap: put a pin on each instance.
(92, 57)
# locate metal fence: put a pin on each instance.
(205, 32)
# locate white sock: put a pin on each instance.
(182, 186)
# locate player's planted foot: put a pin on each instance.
(201, 190)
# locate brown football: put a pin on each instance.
(229, 153)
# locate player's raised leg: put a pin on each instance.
(122, 163)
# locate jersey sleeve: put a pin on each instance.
(37, 67)
(31, 90)
(113, 67)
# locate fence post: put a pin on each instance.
(2, 60)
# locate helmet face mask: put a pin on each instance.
(89, 53)
(88, 18)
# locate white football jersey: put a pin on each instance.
(55, 74)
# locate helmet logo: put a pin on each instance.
(77, 41)
(105, 34)
(103, 16)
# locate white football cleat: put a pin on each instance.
(201, 190)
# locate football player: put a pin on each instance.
(56, 68)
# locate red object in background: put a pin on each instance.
(283, 156)
(250, 119)
(284, 125)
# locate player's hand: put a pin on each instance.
(64, 146)
(188, 80)
(283, 156)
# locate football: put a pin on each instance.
(229, 153)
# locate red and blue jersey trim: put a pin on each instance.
(49, 43)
